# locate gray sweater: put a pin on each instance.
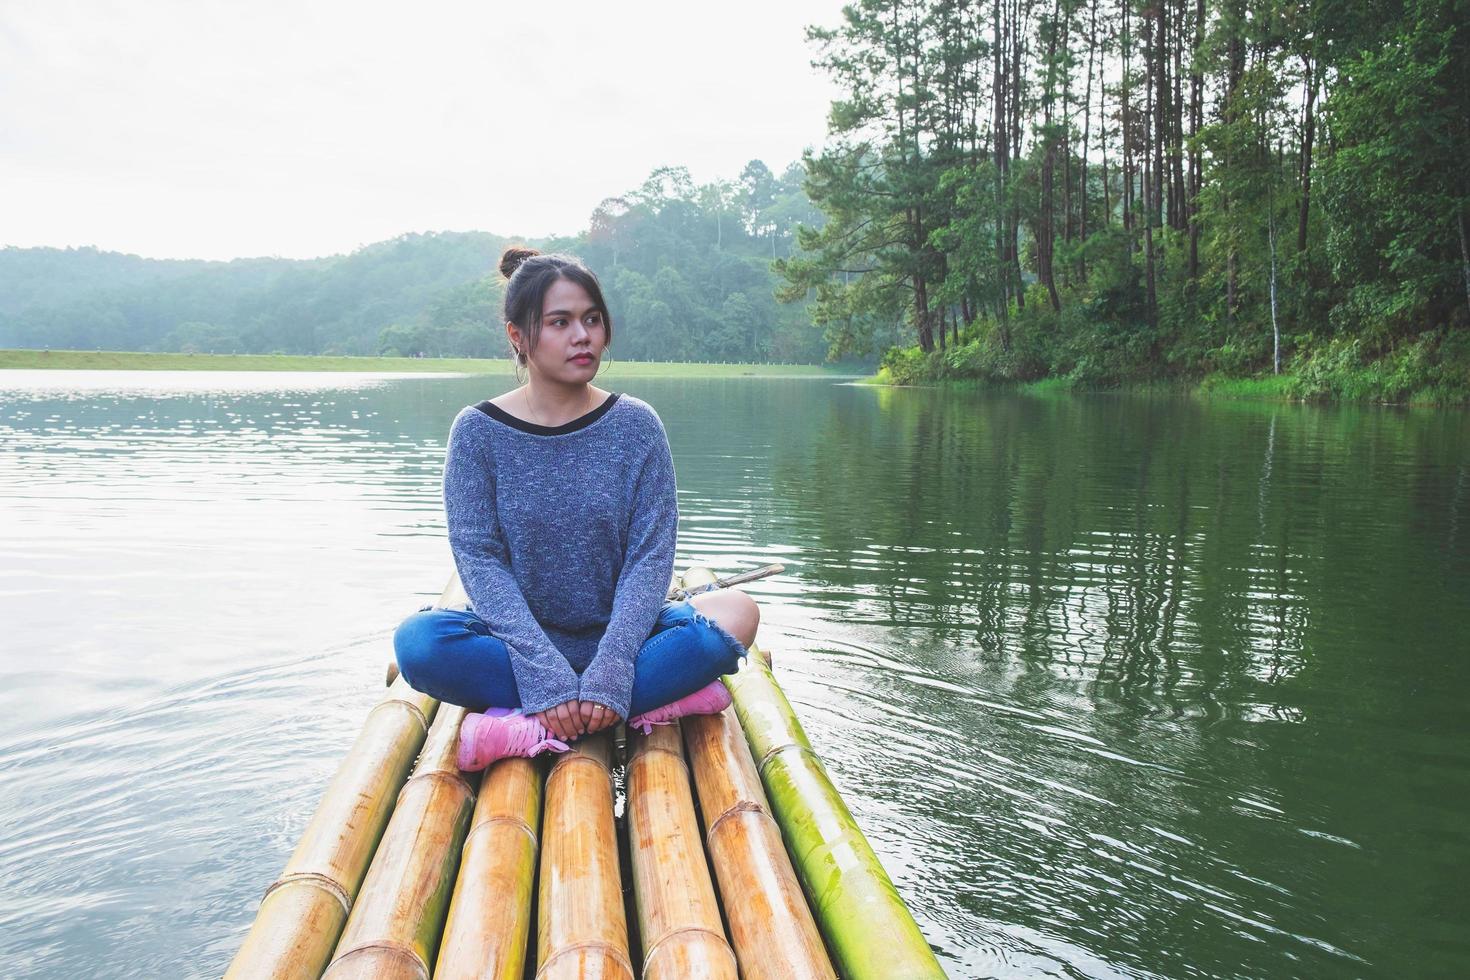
(564, 540)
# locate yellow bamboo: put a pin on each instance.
(678, 917)
(490, 914)
(581, 930)
(304, 910)
(770, 924)
(394, 929)
(771, 927)
(866, 924)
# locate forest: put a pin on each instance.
(686, 268)
(1101, 192)
(1109, 191)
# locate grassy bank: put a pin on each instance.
(1214, 386)
(72, 360)
(1270, 388)
(1278, 388)
(1430, 369)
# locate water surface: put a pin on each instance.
(1116, 686)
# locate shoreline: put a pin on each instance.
(74, 360)
(1212, 387)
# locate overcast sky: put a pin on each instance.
(217, 129)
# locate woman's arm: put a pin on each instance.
(648, 566)
(543, 676)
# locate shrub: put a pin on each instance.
(904, 366)
(1433, 367)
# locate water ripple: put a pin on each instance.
(1116, 688)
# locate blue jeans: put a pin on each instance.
(449, 654)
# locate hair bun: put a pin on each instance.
(511, 259)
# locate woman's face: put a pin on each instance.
(573, 336)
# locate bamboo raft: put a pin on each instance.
(737, 858)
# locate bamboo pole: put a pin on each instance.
(581, 928)
(868, 928)
(490, 913)
(866, 924)
(394, 929)
(678, 916)
(304, 910)
(771, 926)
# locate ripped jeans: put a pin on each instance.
(449, 654)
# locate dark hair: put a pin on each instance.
(528, 275)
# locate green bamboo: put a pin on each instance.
(867, 927)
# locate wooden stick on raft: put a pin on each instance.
(868, 928)
(394, 928)
(681, 590)
(770, 925)
(581, 929)
(304, 911)
(678, 917)
(490, 913)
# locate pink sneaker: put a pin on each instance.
(501, 734)
(708, 700)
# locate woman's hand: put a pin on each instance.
(563, 720)
(595, 717)
(572, 719)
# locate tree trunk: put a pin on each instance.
(1014, 234)
(1152, 162)
(1309, 131)
(1067, 224)
(1181, 180)
(1087, 133)
(1002, 156)
(1127, 130)
(1045, 231)
(921, 315)
(1102, 122)
(1235, 68)
(1160, 113)
(1464, 257)
(1275, 327)
(1196, 122)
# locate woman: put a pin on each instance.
(562, 520)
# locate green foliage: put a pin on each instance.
(1433, 367)
(333, 305)
(686, 270)
(905, 366)
(1328, 224)
(1395, 191)
(69, 360)
(201, 338)
(1272, 387)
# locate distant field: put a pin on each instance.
(81, 360)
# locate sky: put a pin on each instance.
(211, 129)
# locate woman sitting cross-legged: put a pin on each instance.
(562, 519)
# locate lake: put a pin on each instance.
(1115, 685)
